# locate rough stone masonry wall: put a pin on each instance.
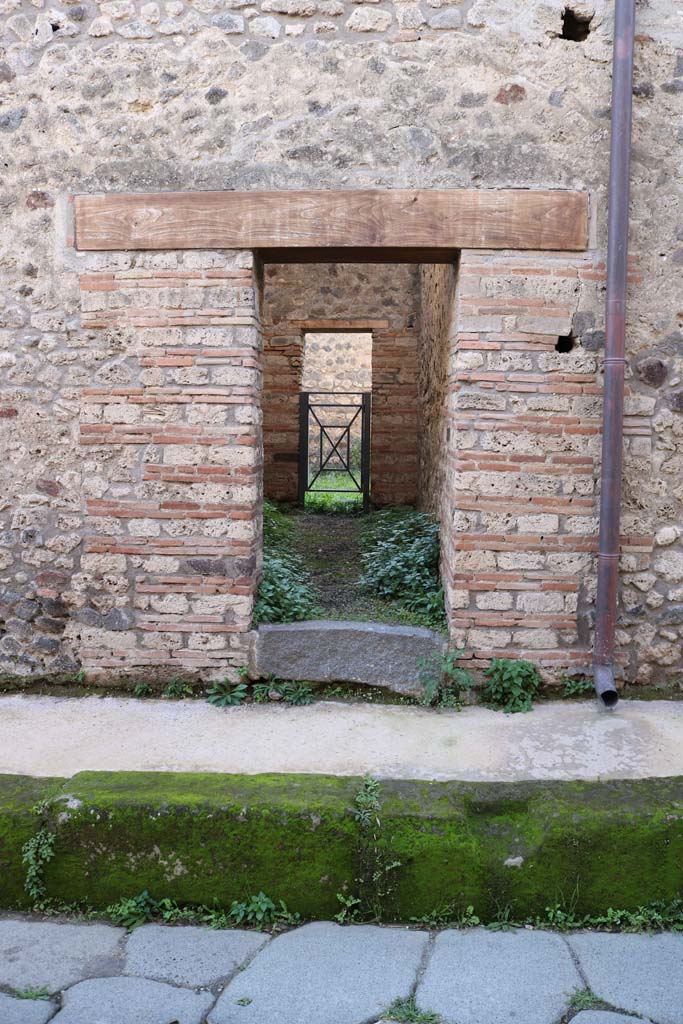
(301, 297)
(337, 362)
(135, 96)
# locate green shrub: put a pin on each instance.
(277, 527)
(401, 562)
(511, 685)
(285, 593)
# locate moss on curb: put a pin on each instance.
(205, 838)
(19, 794)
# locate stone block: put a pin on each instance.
(131, 1001)
(23, 1011)
(639, 973)
(357, 652)
(54, 955)
(458, 980)
(324, 974)
(192, 956)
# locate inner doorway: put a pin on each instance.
(335, 420)
(354, 396)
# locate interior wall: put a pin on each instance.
(437, 309)
(301, 298)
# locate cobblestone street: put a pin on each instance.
(322, 973)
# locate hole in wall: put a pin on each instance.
(575, 26)
(565, 343)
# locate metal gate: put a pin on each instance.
(334, 443)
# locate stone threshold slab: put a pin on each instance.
(392, 657)
(53, 736)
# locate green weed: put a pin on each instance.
(130, 913)
(177, 689)
(406, 1012)
(260, 912)
(350, 908)
(449, 915)
(375, 862)
(584, 999)
(323, 499)
(35, 854)
(443, 680)
(577, 686)
(296, 694)
(511, 685)
(224, 694)
(32, 993)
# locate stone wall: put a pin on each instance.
(381, 298)
(337, 362)
(122, 95)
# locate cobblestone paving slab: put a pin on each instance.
(53, 955)
(324, 974)
(192, 956)
(24, 1011)
(132, 1001)
(604, 1017)
(639, 973)
(482, 977)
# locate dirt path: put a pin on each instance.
(330, 546)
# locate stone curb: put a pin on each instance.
(204, 838)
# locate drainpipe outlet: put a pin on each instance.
(605, 687)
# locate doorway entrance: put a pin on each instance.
(335, 420)
(485, 424)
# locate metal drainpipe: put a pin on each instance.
(615, 350)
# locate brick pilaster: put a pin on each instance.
(173, 540)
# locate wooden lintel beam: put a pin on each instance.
(399, 219)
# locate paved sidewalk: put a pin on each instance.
(322, 973)
(61, 736)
